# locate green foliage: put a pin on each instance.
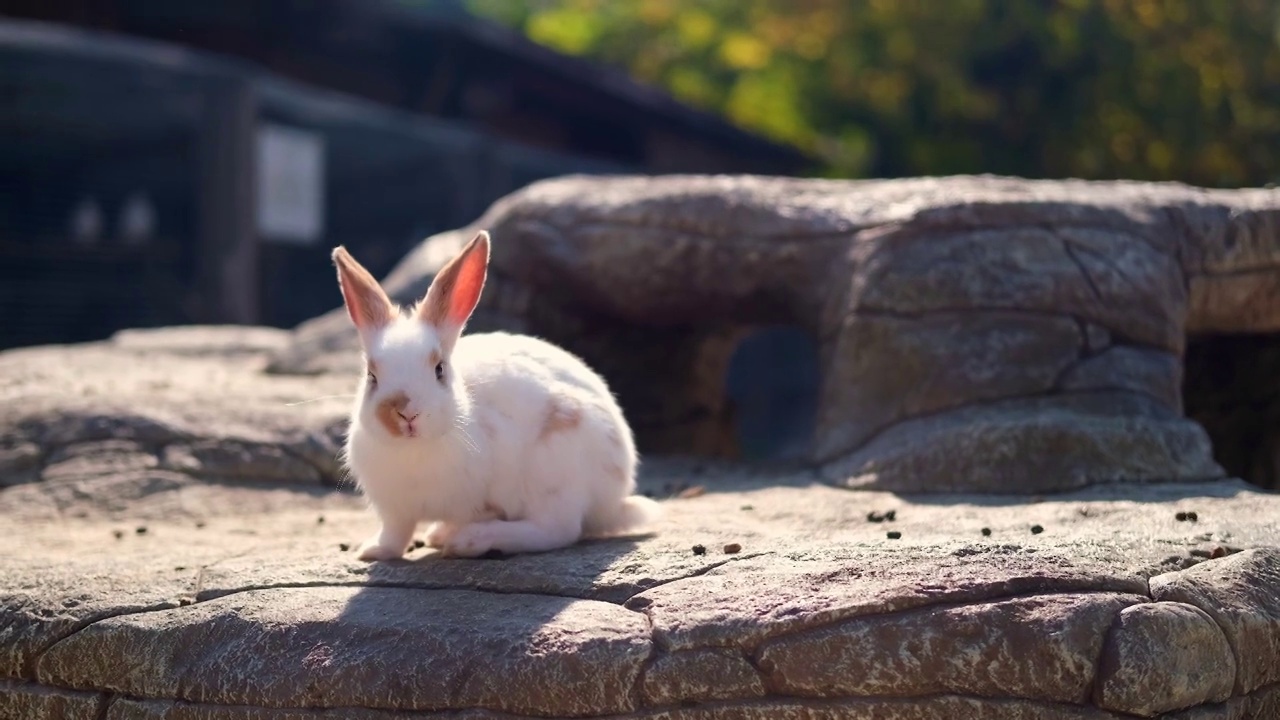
(1149, 89)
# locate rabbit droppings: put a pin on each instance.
(503, 442)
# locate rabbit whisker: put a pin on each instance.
(464, 436)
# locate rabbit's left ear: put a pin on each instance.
(455, 290)
(367, 303)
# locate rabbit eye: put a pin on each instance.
(440, 371)
(373, 379)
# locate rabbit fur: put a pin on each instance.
(502, 442)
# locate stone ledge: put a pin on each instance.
(34, 702)
(820, 614)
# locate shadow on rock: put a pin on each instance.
(534, 634)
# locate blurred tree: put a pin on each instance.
(1148, 89)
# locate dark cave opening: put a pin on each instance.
(734, 391)
(1231, 386)
(772, 383)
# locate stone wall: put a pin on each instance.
(973, 333)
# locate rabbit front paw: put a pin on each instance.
(391, 542)
(372, 550)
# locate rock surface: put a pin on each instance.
(238, 602)
(175, 551)
(178, 526)
(1197, 667)
(927, 299)
(162, 408)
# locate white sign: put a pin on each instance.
(290, 185)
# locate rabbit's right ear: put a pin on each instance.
(367, 303)
(455, 291)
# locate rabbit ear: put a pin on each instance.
(456, 289)
(367, 303)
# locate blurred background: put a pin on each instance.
(166, 162)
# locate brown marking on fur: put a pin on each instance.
(456, 288)
(367, 303)
(562, 414)
(488, 429)
(494, 512)
(389, 413)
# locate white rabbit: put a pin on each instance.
(504, 442)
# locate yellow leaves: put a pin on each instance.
(1234, 75)
(1211, 84)
(886, 91)
(1161, 89)
(697, 29)
(883, 7)
(1115, 7)
(741, 51)
(769, 103)
(692, 86)
(1148, 13)
(1159, 155)
(810, 46)
(1218, 159)
(954, 99)
(656, 12)
(1123, 146)
(849, 154)
(1177, 11)
(900, 47)
(1065, 29)
(817, 31)
(565, 29)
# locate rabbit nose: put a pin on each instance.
(406, 417)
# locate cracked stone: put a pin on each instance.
(1127, 262)
(1069, 441)
(1155, 373)
(943, 707)
(180, 392)
(1020, 268)
(595, 571)
(19, 463)
(269, 586)
(25, 701)
(1241, 592)
(1040, 648)
(1164, 656)
(1096, 337)
(228, 459)
(265, 592)
(903, 367)
(1137, 283)
(369, 647)
(701, 676)
(113, 494)
(33, 614)
(321, 449)
(85, 460)
(741, 604)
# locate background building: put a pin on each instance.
(170, 162)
